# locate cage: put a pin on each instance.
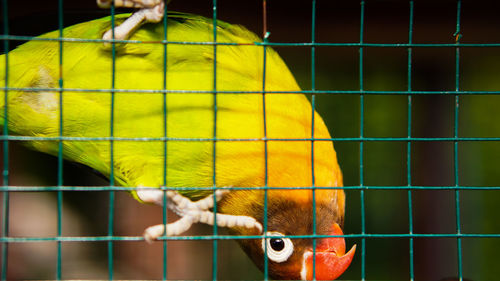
(409, 92)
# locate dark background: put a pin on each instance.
(385, 163)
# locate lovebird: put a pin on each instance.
(207, 123)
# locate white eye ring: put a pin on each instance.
(277, 255)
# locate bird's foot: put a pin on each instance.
(150, 11)
(191, 212)
(106, 4)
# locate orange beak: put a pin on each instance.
(331, 259)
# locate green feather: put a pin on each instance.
(190, 67)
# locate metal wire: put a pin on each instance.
(408, 147)
(356, 187)
(266, 170)
(306, 92)
(165, 144)
(214, 145)
(281, 44)
(313, 108)
(111, 204)
(60, 152)
(230, 237)
(361, 144)
(455, 144)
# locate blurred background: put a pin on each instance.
(34, 214)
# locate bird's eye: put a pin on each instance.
(279, 249)
(277, 244)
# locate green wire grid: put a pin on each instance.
(312, 92)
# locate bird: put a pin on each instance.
(183, 120)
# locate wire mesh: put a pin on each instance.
(362, 141)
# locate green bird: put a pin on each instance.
(214, 128)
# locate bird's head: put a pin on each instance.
(293, 258)
(289, 169)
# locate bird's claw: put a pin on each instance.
(192, 212)
(106, 4)
(150, 11)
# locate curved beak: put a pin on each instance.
(331, 259)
